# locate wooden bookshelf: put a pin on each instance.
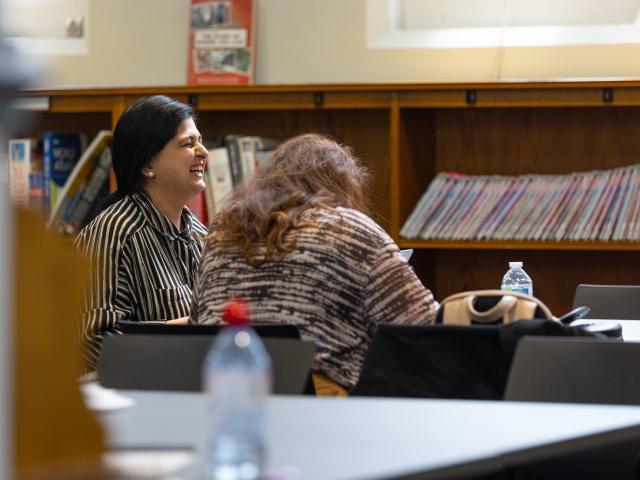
(407, 133)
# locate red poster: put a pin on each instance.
(222, 42)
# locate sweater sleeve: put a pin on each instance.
(394, 294)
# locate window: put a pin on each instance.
(500, 23)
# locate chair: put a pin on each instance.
(434, 361)
(612, 302)
(174, 362)
(583, 370)
(579, 370)
(447, 361)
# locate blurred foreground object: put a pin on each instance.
(55, 435)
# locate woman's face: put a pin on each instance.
(177, 171)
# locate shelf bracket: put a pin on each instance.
(318, 99)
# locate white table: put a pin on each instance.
(630, 328)
(366, 438)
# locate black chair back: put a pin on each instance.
(582, 370)
(612, 302)
(174, 362)
(434, 361)
(447, 361)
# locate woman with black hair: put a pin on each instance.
(144, 248)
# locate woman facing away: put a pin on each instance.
(293, 241)
(145, 248)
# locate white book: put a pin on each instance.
(220, 179)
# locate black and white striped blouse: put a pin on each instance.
(345, 277)
(142, 268)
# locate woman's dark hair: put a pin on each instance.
(304, 172)
(141, 132)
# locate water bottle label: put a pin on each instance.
(517, 289)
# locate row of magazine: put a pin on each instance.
(601, 205)
(58, 177)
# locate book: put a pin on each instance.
(79, 207)
(264, 147)
(235, 159)
(61, 152)
(222, 41)
(36, 192)
(220, 182)
(77, 179)
(25, 160)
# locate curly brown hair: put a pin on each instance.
(306, 171)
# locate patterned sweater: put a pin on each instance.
(344, 277)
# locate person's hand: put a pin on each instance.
(178, 321)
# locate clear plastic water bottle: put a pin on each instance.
(237, 377)
(517, 280)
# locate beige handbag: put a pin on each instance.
(490, 307)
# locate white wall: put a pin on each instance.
(144, 42)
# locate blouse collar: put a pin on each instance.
(160, 222)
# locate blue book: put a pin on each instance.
(61, 151)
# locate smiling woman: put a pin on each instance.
(145, 246)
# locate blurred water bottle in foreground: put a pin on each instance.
(237, 377)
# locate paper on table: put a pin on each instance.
(166, 464)
(102, 399)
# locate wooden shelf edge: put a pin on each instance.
(519, 245)
(343, 87)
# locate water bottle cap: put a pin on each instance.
(515, 264)
(236, 312)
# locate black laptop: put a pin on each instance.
(174, 362)
(276, 330)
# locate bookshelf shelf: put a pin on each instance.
(522, 245)
(407, 133)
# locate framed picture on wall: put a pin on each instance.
(222, 42)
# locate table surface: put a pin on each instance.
(367, 438)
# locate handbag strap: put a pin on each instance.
(498, 311)
(455, 308)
